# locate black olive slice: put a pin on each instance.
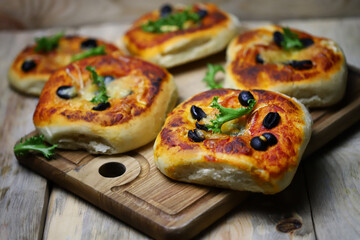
(271, 140)
(202, 13)
(196, 135)
(244, 98)
(271, 120)
(89, 43)
(66, 92)
(28, 65)
(306, 42)
(108, 79)
(300, 65)
(258, 59)
(201, 126)
(258, 144)
(165, 10)
(101, 106)
(278, 38)
(197, 113)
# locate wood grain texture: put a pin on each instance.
(48, 13)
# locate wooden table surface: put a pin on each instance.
(323, 201)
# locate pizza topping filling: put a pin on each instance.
(300, 65)
(306, 42)
(46, 44)
(210, 75)
(271, 120)
(197, 113)
(173, 21)
(101, 96)
(88, 44)
(259, 59)
(91, 52)
(227, 114)
(201, 126)
(261, 143)
(66, 92)
(289, 40)
(244, 98)
(196, 135)
(101, 106)
(108, 79)
(165, 10)
(28, 65)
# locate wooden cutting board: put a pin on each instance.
(129, 187)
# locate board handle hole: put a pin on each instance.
(112, 169)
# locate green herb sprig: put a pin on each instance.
(46, 44)
(227, 114)
(101, 95)
(91, 52)
(35, 143)
(210, 75)
(171, 22)
(291, 40)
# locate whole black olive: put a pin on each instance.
(28, 65)
(89, 43)
(165, 10)
(271, 120)
(101, 106)
(197, 113)
(278, 38)
(258, 59)
(270, 139)
(66, 92)
(306, 42)
(300, 65)
(258, 144)
(202, 13)
(196, 135)
(244, 98)
(108, 79)
(201, 126)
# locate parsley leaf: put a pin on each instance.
(227, 114)
(91, 52)
(171, 22)
(46, 44)
(35, 143)
(291, 40)
(210, 75)
(101, 95)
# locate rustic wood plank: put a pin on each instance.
(23, 194)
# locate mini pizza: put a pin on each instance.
(174, 35)
(34, 64)
(241, 140)
(311, 69)
(105, 104)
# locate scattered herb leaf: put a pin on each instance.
(210, 75)
(291, 40)
(35, 143)
(227, 114)
(46, 44)
(91, 52)
(101, 95)
(171, 22)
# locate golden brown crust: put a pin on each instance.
(329, 66)
(149, 45)
(174, 148)
(148, 89)
(48, 63)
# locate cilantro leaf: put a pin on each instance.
(171, 22)
(101, 95)
(91, 52)
(227, 114)
(291, 40)
(46, 44)
(210, 75)
(35, 143)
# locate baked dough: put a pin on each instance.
(141, 95)
(170, 49)
(32, 82)
(323, 84)
(227, 159)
